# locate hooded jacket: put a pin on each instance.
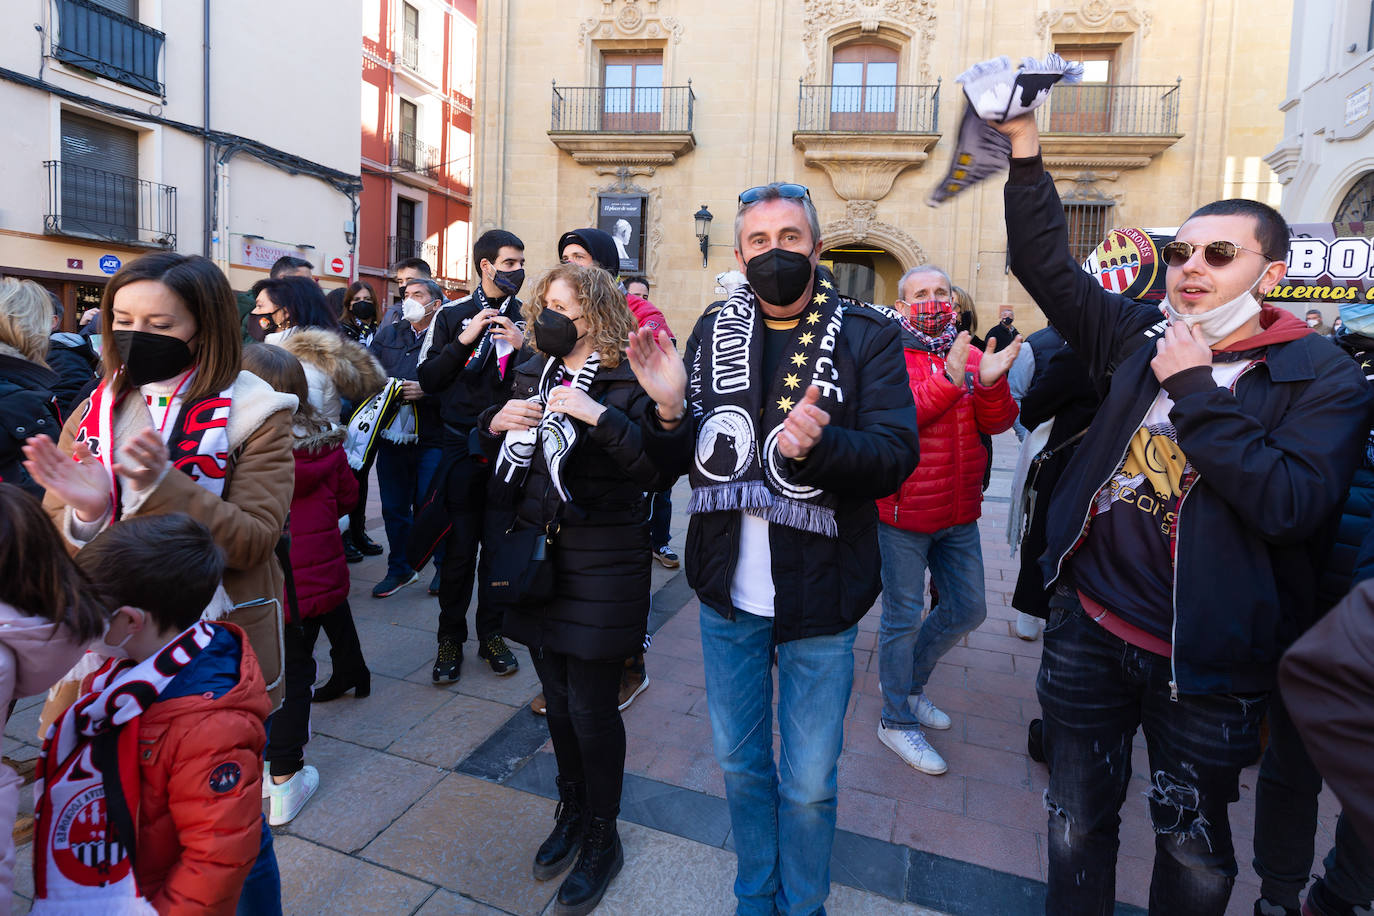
(28, 407)
(335, 367)
(34, 654)
(1273, 455)
(946, 489)
(326, 490)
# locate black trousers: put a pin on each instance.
(465, 498)
(290, 728)
(584, 721)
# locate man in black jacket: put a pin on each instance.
(464, 359)
(801, 417)
(74, 360)
(1184, 538)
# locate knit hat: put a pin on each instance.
(599, 245)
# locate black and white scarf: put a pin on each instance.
(739, 414)
(509, 308)
(80, 864)
(556, 433)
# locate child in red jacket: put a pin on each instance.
(317, 585)
(147, 800)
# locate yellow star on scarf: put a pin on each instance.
(819, 299)
(813, 317)
(806, 339)
(791, 380)
(799, 359)
(825, 284)
(784, 404)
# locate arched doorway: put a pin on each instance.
(1358, 205)
(864, 272)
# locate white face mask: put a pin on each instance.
(1313, 322)
(1222, 321)
(413, 311)
(101, 647)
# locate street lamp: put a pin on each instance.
(703, 220)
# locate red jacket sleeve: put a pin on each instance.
(932, 390)
(648, 315)
(219, 832)
(993, 408)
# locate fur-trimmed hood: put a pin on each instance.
(354, 371)
(254, 401)
(313, 442)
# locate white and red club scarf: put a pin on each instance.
(80, 865)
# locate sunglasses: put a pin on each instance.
(788, 191)
(1217, 254)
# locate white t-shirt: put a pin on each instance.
(752, 588)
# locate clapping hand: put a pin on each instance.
(957, 358)
(77, 479)
(660, 372)
(997, 363)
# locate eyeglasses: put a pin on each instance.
(788, 191)
(1217, 254)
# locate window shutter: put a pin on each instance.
(97, 145)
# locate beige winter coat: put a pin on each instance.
(335, 368)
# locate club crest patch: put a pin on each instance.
(224, 777)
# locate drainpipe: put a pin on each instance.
(209, 167)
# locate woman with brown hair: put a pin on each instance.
(48, 613)
(175, 426)
(569, 459)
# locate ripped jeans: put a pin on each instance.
(1095, 691)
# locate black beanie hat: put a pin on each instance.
(599, 245)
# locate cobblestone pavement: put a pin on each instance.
(432, 800)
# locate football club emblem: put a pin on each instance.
(725, 443)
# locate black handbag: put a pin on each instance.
(521, 568)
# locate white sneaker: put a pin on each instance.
(290, 797)
(927, 713)
(1028, 627)
(913, 747)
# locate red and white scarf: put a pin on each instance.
(197, 443)
(79, 865)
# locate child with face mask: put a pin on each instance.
(150, 803)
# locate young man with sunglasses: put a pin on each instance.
(801, 417)
(1184, 537)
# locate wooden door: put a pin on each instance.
(863, 88)
(632, 92)
(1087, 107)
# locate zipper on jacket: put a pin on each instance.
(730, 569)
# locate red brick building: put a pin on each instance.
(417, 89)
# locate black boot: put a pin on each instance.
(340, 682)
(570, 822)
(600, 861)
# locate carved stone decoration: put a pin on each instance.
(653, 219)
(624, 173)
(1102, 152)
(863, 166)
(1095, 16)
(629, 19)
(823, 17)
(861, 225)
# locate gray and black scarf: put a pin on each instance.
(739, 414)
(556, 433)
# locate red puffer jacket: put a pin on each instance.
(326, 490)
(647, 314)
(947, 486)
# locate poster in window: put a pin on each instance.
(622, 215)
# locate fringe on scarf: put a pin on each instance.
(729, 497)
(805, 516)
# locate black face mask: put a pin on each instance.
(509, 281)
(149, 357)
(554, 333)
(779, 276)
(364, 310)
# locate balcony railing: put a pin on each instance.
(906, 109)
(99, 40)
(421, 57)
(410, 155)
(402, 248)
(1106, 108)
(622, 110)
(94, 203)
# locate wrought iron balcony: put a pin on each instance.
(94, 203)
(622, 110)
(410, 155)
(401, 248)
(904, 109)
(1109, 108)
(94, 38)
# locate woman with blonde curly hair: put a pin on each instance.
(27, 384)
(569, 459)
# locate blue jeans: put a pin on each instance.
(783, 817)
(1286, 824)
(908, 648)
(1096, 690)
(403, 477)
(261, 894)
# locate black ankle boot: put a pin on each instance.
(340, 683)
(570, 822)
(600, 861)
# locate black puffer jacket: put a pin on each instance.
(27, 408)
(601, 607)
(464, 391)
(77, 366)
(823, 585)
